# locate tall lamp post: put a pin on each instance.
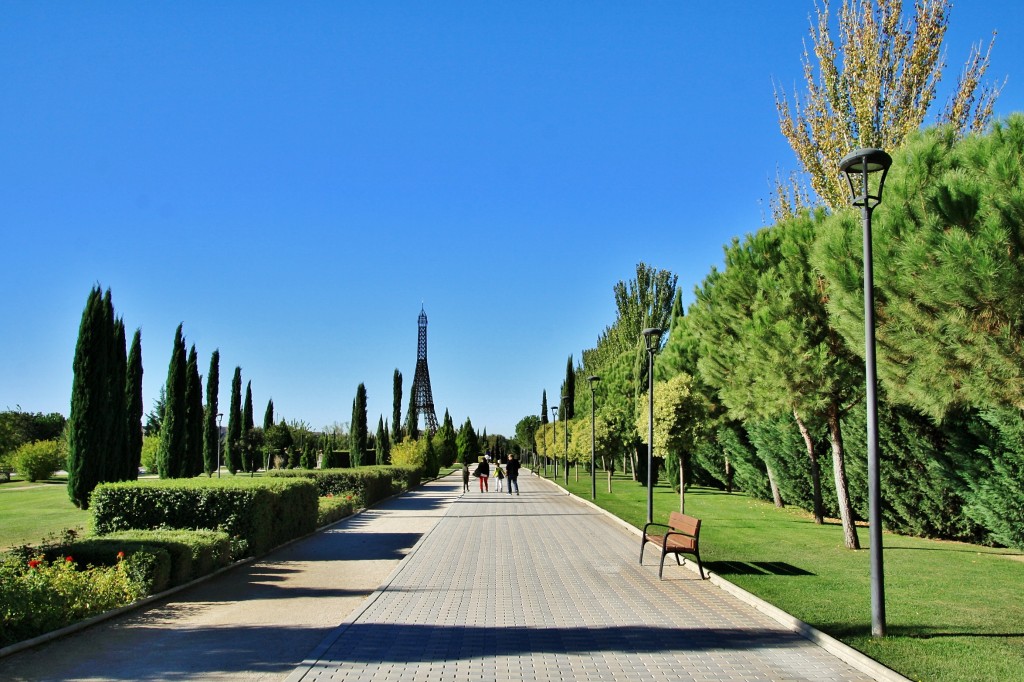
(593, 440)
(220, 416)
(652, 337)
(544, 442)
(860, 166)
(565, 423)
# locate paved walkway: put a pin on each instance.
(497, 587)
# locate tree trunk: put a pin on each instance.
(682, 486)
(776, 495)
(609, 481)
(835, 434)
(728, 476)
(819, 515)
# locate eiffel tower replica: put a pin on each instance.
(424, 400)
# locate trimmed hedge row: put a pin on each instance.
(261, 512)
(366, 484)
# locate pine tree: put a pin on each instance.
(468, 444)
(173, 429)
(85, 424)
(192, 463)
(358, 431)
(396, 413)
(133, 409)
(248, 451)
(233, 440)
(211, 431)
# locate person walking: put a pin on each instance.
(465, 477)
(499, 475)
(483, 470)
(513, 474)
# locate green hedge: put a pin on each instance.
(368, 484)
(261, 512)
(194, 553)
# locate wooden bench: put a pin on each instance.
(5, 474)
(680, 537)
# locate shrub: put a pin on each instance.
(366, 484)
(191, 553)
(150, 450)
(37, 596)
(39, 460)
(261, 513)
(335, 508)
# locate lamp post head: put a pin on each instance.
(860, 166)
(220, 416)
(652, 335)
(554, 413)
(593, 380)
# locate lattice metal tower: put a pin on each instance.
(424, 400)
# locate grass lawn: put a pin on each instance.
(30, 512)
(954, 611)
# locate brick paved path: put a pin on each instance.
(543, 587)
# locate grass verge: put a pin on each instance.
(34, 511)
(953, 610)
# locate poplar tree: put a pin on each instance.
(85, 424)
(396, 411)
(211, 431)
(358, 431)
(875, 87)
(174, 426)
(134, 409)
(192, 462)
(233, 440)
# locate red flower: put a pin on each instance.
(120, 555)
(68, 558)
(34, 563)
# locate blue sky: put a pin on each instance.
(292, 181)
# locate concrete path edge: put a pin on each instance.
(844, 652)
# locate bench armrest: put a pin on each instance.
(657, 525)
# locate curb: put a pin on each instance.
(843, 652)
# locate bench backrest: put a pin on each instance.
(684, 523)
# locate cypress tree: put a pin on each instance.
(232, 446)
(115, 462)
(396, 412)
(358, 432)
(85, 424)
(249, 455)
(544, 407)
(175, 421)
(379, 445)
(192, 462)
(134, 409)
(211, 432)
(268, 416)
(412, 427)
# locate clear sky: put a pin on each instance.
(293, 180)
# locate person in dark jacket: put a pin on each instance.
(512, 474)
